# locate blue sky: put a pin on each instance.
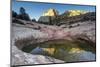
(35, 10)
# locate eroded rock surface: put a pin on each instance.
(45, 33)
(21, 58)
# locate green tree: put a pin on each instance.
(23, 15)
(14, 14)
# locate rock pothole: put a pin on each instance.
(59, 49)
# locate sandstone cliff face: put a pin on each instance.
(74, 17)
(51, 12)
(75, 12)
(52, 17)
(48, 16)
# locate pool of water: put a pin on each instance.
(68, 51)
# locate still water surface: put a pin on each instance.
(63, 50)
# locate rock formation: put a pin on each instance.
(23, 35)
(48, 16)
(74, 17)
(51, 12)
(71, 13)
(75, 12)
(52, 17)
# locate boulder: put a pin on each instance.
(46, 19)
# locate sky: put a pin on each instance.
(36, 9)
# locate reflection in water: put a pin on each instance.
(64, 50)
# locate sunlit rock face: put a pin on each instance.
(75, 12)
(51, 12)
(48, 16)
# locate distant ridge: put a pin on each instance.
(71, 13)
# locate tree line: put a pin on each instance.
(22, 15)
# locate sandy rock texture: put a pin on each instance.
(40, 33)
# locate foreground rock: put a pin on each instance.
(34, 33)
(21, 58)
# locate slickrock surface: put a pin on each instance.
(21, 58)
(40, 33)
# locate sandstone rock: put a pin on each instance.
(48, 16)
(75, 12)
(74, 17)
(22, 58)
(46, 19)
(46, 33)
(51, 12)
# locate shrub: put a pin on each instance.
(14, 14)
(23, 15)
